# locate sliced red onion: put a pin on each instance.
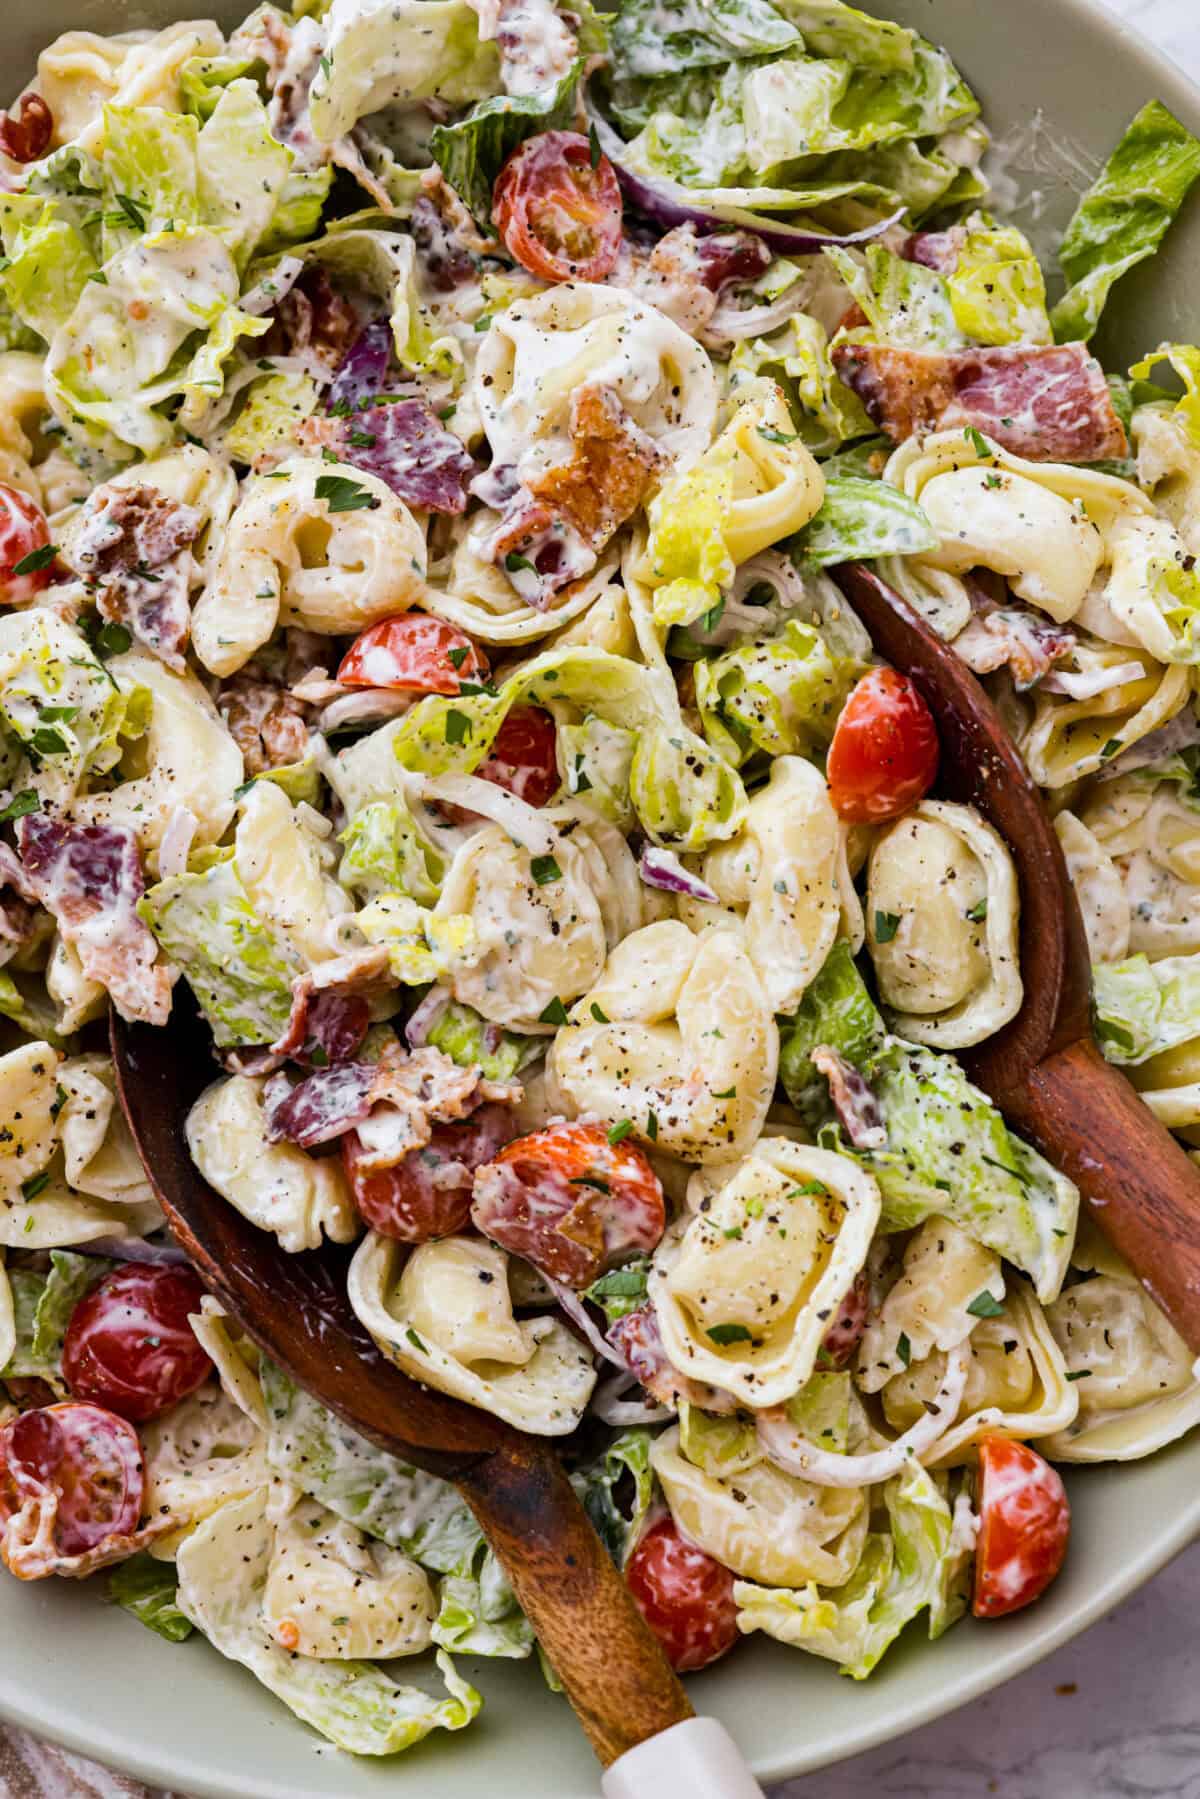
(662, 869)
(577, 1312)
(133, 1249)
(362, 373)
(669, 204)
(426, 1016)
(730, 323)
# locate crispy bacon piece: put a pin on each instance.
(312, 320)
(1050, 404)
(89, 877)
(939, 250)
(131, 548)
(267, 724)
(1002, 631)
(331, 1008)
(853, 1100)
(638, 1341)
(606, 479)
(25, 134)
(685, 274)
(406, 445)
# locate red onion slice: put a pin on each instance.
(662, 869)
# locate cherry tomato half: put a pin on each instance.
(559, 216)
(129, 1345)
(570, 1201)
(685, 1596)
(23, 531)
(88, 1458)
(428, 1194)
(1025, 1522)
(884, 755)
(524, 757)
(415, 651)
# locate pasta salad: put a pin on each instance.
(429, 434)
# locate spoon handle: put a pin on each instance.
(614, 1673)
(1143, 1191)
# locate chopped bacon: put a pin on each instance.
(267, 724)
(25, 134)
(407, 446)
(391, 1103)
(130, 546)
(845, 1333)
(331, 1008)
(638, 1341)
(1050, 404)
(853, 1100)
(1004, 631)
(445, 234)
(18, 908)
(89, 877)
(684, 274)
(938, 250)
(312, 320)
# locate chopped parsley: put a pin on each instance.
(458, 726)
(977, 441)
(341, 494)
(545, 869)
(886, 926)
(978, 912)
(598, 1013)
(618, 1132)
(20, 805)
(555, 1013)
(724, 1334)
(36, 559)
(985, 1305)
(904, 1349)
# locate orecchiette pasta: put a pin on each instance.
(293, 553)
(941, 881)
(695, 1046)
(445, 1326)
(745, 1290)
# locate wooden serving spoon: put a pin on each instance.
(1043, 1069)
(295, 1308)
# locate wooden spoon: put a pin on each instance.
(1043, 1069)
(295, 1308)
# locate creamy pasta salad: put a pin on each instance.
(427, 431)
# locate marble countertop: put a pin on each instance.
(1111, 1716)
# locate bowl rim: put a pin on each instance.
(113, 1747)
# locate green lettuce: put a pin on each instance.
(47, 265)
(831, 28)
(685, 795)
(1144, 1007)
(389, 52)
(203, 80)
(1185, 360)
(797, 356)
(240, 968)
(149, 167)
(901, 1574)
(907, 304)
(598, 758)
(781, 696)
(1124, 216)
(650, 38)
(618, 1490)
(471, 1041)
(861, 518)
(838, 1011)
(480, 1615)
(472, 151)
(23, 1000)
(149, 1590)
(385, 853)
(267, 420)
(997, 291)
(42, 1307)
(61, 704)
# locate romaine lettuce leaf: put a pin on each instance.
(781, 696)
(1124, 216)
(149, 166)
(1144, 1007)
(385, 853)
(900, 1575)
(480, 1615)
(47, 262)
(149, 1590)
(624, 1469)
(826, 411)
(598, 757)
(997, 291)
(838, 1011)
(269, 415)
(661, 37)
(471, 151)
(1185, 360)
(383, 53)
(203, 80)
(907, 304)
(61, 704)
(832, 28)
(859, 519)
(685, 795)
(471, 1041)
(240, 968)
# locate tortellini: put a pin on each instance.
(688, 1040)
(1149, 832)
(81, 73)
(334, 1594)
(538, 352)
(780, 877)
(282, 866)
(942, 910)
(275, 1185)
(185, 758)
(1067, 739)
(762, 1523)
(446, 1325)
(23, 413)
(1097, 883)
(478, 597)
(928, 1307)
(191, 476)
(745, 1289)
(315, 544)
(200, 1455)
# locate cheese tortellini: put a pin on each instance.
(942, 910)
(321, 545)
(744, 1290)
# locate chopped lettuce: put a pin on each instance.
(1185, 360)
(471, 1041)
(900, 1576)
(479, 1615)
(204, 79)
(472, 151)
(598, 757)
(1124, 216)
(239, 967)
(267, 421)
(622, 1473)
(797, 356)
(42, 1306)
(61, 704)
(385, 853)
(384, 53)
(685, 796)
(652, 38)
(997, 291)
(782, 695)
(859, 519)
(907, 304)
(1144, 1007)
(47, 262)
(149, 1589)
(687, 552)
(838, 1011)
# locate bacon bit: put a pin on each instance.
(446, 235)
(313, 319)
(938, 250)
(606, 479)
(267, 724)
(685, 274)
(25, 135)
(1005, 631)
(853, 1100)
(638, 1341)
(406, 445)
(331, 1010)
(1051, 404)
(844, 1334)
(89, 877)
(131, 547)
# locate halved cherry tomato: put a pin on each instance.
(524, 757)
(129, 1345)
(569, 1201)
(685, 1596)
(884, 755)
(428, 1194)
(559, 216)
(1025, 1522)
(23, 531)
(88, 1458)
(25, 134)
(415, 651)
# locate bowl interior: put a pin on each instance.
(1058, 78)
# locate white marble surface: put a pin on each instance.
(1113, 1715)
